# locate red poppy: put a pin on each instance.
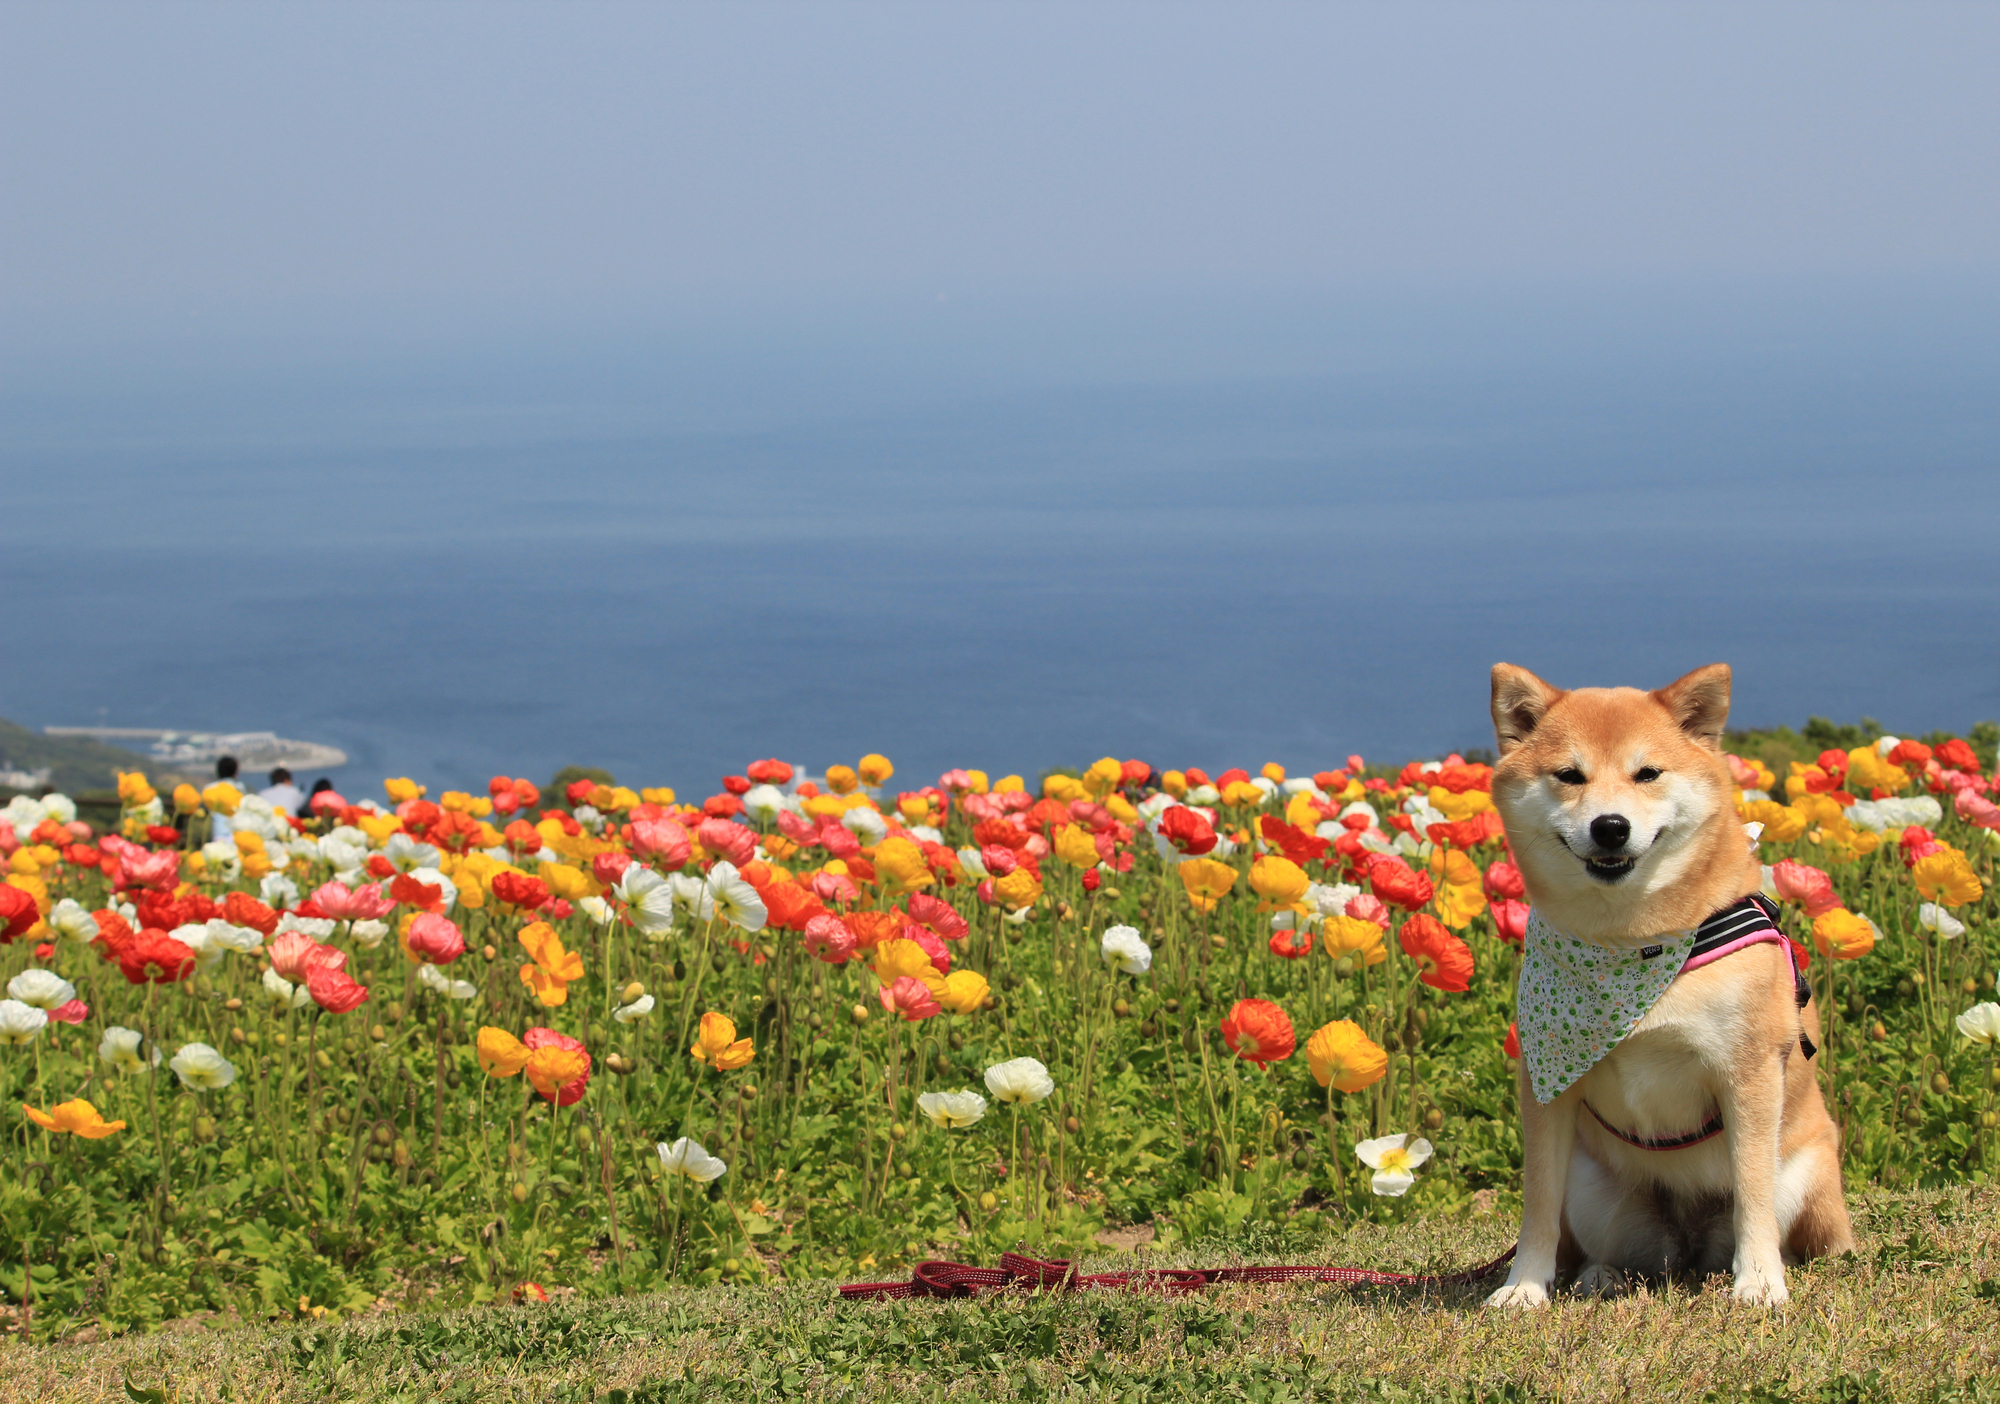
(333, 989)
(241, 909)
(1043, 813)
(1000, 833)
(1292, 841)
(579, 791)
(1292, 944)
(1467, 833)
(1443, 961)
(47, 951)
(1510, 919)
(1197, 776)
(1512, 1047)
(162, 833)
(429, 897)
(1332, 781)
(455, 831)
(113, 934)
(515, 889)
(1398, 884)
(768, 772)
(736, 784)
(154, 956)
(1235, 775)
(1187, 831)
(380, 867)
(82, 855)
(18, 911)
(608, 867)
(1458, 778)
(1092, 880)
(1503, 880)
(1956, 755)
(723, 806)
(1910, 753)
(1135, 772)
(1259, 1032)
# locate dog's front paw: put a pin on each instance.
(1758, 1286)
(1519, 1294)
(1602, 1280)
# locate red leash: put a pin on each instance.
(941, 1279)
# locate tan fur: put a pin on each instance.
(1724, 1037)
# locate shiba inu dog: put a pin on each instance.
(1694, 1139)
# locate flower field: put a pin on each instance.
(429, 1050)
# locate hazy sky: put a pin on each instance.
(297, 168)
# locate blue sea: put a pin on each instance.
(1190, 535)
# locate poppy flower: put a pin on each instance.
(937, 915)
(661, 842)
(1842, 935)
(434, 940)
(1292, 841)
(1022, 888)
(727, 840)
(500, 1053)
(18, 911)
(557, 1066)
(1019, 1082)
(1368, 907)
(1344, 1058)
(78, 1117)
(333, 989)
(1510, 919)
(871, 929)
(1207, 882)
(154, 956)
(1279, 881)
(1806, 885)
(1393, 1158)
(1443, 961)
(1396, 883)
(834, 887)
(1977, 810)
(1075, 846)
(1291, 943)
(553, 969)
(963, 992)
(1353, 935)
(1188, 830)
(1504, 881)
(1258, 1031)
(686, 1157)
(1945, 877)
(1512, 1046)
(341, 903)
(909, 998)
(828, 938)
(717, 1045)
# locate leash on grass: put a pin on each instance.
(1018, 1272)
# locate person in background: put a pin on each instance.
(285, 797)
(320, 787)
(221, 826)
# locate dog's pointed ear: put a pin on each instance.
(1699, 703)
(1520, 701)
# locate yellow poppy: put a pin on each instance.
(963, 992)
(1018, 889)
(78, 1116)
(1075, 847)
(1841, 935)
(500, 1053)
(554, 968)
(1946, 877)
(1207, 882)
(551, 1069)
(1347, 935)
(1343, 1057)
(717, 1045)
(902, 862)
(1279, 881)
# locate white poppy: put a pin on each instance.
(1886, 744)
(969, 859)
(648, 898)
(368, 934)
(24, 813)
(1124, 947)
(685, 1157)
(278, 891)
(318, 928)
(197, 938)
(121, 1047)
(222, 860)
(1154, 805)
(60, 808)
(1767, 885)
(1932, 917)
(691, 895)
(926, 833)
(285, 992)
(406, 855)
(736, 901)
(202, 1068)
(20, 1023)
(865, 824)
(73, 920)
(42, 988)
(1981, 1023)
(951, 1110)
(1331, 900)
(637, 1009)
(436, 979)
(1019, 1082)
(597, 909)
(586, 815)
(1392, 1158)
(1204, 794)
(764, 803)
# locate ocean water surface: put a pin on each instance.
(666, 568)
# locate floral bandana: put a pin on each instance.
(1576, 1001)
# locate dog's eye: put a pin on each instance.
(1646, 775)
(1570, 776)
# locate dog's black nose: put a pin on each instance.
(1610, 831)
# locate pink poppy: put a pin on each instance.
(1975, 808)
(435, 939)
(1369, 908)
(333, 989)
(1511, 919)
(834, 887)
(998, 859)
(828, 938)
(938, 915)
(340, 903)
(74, 1012)
(797, 828)
(724, 838)
(661, 840)
(910, 998)
(1806, 885)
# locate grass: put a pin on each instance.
(1913, 1314)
